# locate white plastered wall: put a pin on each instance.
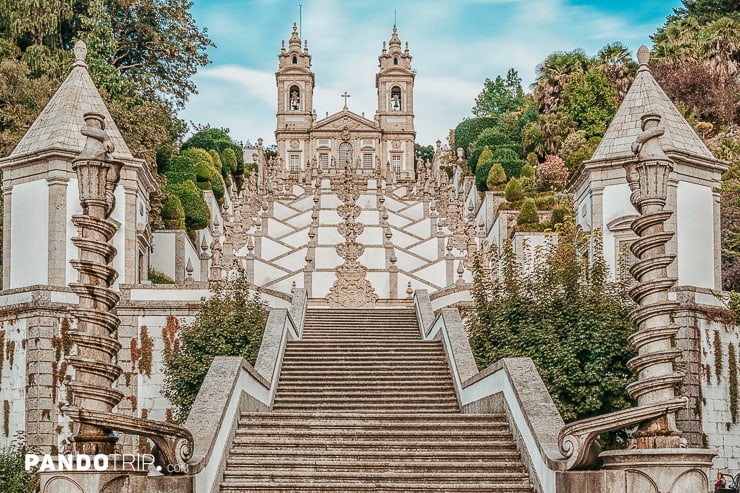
(695, 235)
(28, 243)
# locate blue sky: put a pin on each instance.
(456, 45)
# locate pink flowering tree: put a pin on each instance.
(552, 174)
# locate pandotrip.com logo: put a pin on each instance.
(82, 462)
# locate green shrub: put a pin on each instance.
(529, 186)
(559, 214)
(510, 161)
(513, 190)
(230, 163)
(172, 212)
(496, 176)
(528, 213)
(547, 201)
(157, 277)
(180, 169)
(565, 314)
(491, 138)
(230, 323)
(218, 139)
(13, 475)
(527, 171)
(197, 215)
(203, 173)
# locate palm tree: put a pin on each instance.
(619, 66)
(553, 75)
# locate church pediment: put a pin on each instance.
(346, 120)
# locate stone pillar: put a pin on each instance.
(57, 183)
(7, 209)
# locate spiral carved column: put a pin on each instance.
(653, 340)
(95, 370)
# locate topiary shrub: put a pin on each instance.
(173, 214)
(527, 171)
(528, 213)
(230, 163)
(513, 191)
(495, 177)
(180, 169)
(197, 215)
(203, 173)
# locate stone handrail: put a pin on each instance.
(233, 386)
(511, 385)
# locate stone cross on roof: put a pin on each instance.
(345, 96)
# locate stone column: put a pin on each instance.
(57, 183)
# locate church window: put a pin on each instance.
(345, 153)
(367, 160)
(295, 98)
(396, 163)
(396, 98)
(324, 160)
(395, 60)
(295, 162)
(295, 60)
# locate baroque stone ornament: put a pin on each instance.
(93, 397)
(654, 391)
(351, 289)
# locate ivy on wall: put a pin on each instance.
(2, 354)
(732, 367)
(717, 356)
(6, 417)
(145, 352)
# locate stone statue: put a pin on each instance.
(98, 145)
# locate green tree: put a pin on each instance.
(590, 102)
(13, 475)
(615, 60)
(467, 132)
(426, 153)
(562, 312)
(230, 323)
(500, 95)
(553, 75)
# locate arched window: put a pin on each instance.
(345, 153)
(295, 98)
(395, 60)
(295, 60)
(396, 98)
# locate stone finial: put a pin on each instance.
(203, 246)
(643, 55)
(80, 52)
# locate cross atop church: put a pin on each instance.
(345, 96)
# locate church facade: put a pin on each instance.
(385, 142)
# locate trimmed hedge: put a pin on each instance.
(197, 215)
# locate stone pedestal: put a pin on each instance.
(644, 471)
(113, 482)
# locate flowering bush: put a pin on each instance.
(552, 174)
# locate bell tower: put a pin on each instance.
(395, 84)
(295, 113)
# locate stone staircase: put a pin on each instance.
(364, 404)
